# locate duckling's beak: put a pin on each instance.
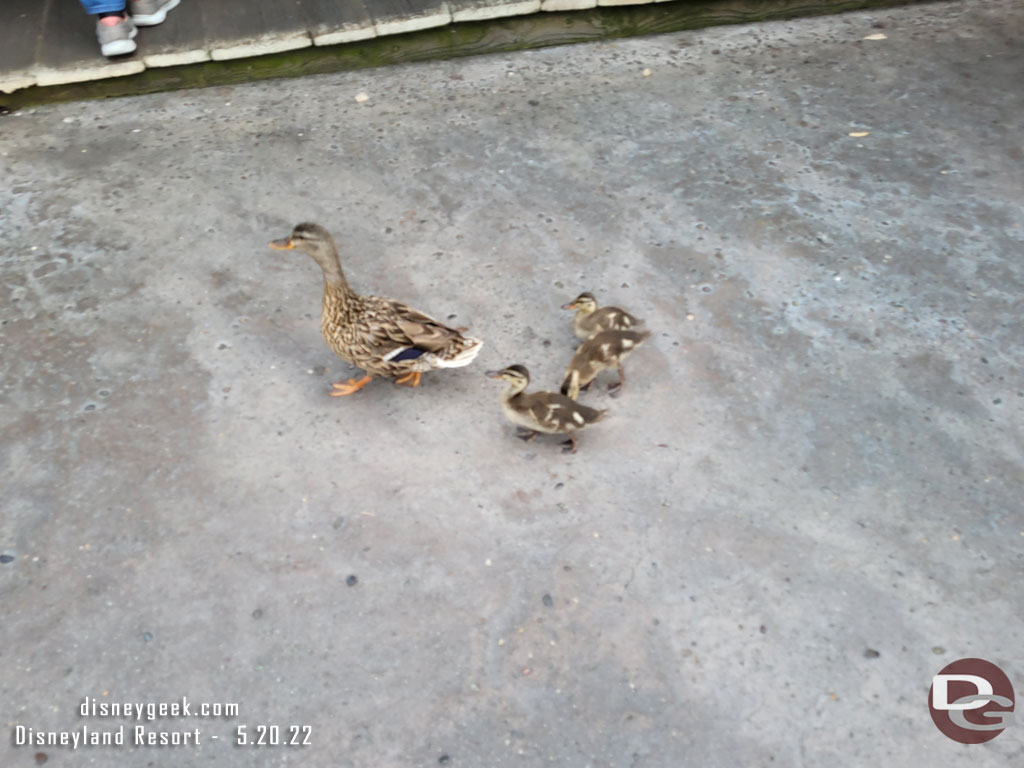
(493, 374)
(570, 305)
(284, 244)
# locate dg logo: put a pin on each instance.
(971, 701)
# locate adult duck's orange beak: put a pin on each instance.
(284, 244)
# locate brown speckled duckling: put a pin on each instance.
(547, 412)
(603, 350)
(384, 337)
(590, 319)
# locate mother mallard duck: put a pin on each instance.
(384, 337)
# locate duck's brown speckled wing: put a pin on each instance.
(606, 319)
(615, 319)
(388, 338)
(399, 335)
(557, 413)
(422, 330)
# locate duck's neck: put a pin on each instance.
(513, 390)
(334, 278)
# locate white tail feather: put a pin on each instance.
(465, 357)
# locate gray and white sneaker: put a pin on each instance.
(147, 13)
(116, 39)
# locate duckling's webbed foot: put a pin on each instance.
(616, 389)
(525, 434)
(569, 446)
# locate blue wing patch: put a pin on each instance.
(407, 354)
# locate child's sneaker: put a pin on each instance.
(116, 37)
(146, 13)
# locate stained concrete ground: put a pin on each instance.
(806, 503)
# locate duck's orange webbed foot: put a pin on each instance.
(409, 379)
(343, 388)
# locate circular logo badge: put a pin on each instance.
(971, 701)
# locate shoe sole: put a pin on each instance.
(119, 47)
(152, 19)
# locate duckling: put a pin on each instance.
(589, 320)
(547, 412)
(601, 351)
(384, 337)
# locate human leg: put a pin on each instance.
(96, 7)
(114, 30)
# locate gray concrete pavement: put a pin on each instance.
(806, 503)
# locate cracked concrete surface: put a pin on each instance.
(805, 504)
